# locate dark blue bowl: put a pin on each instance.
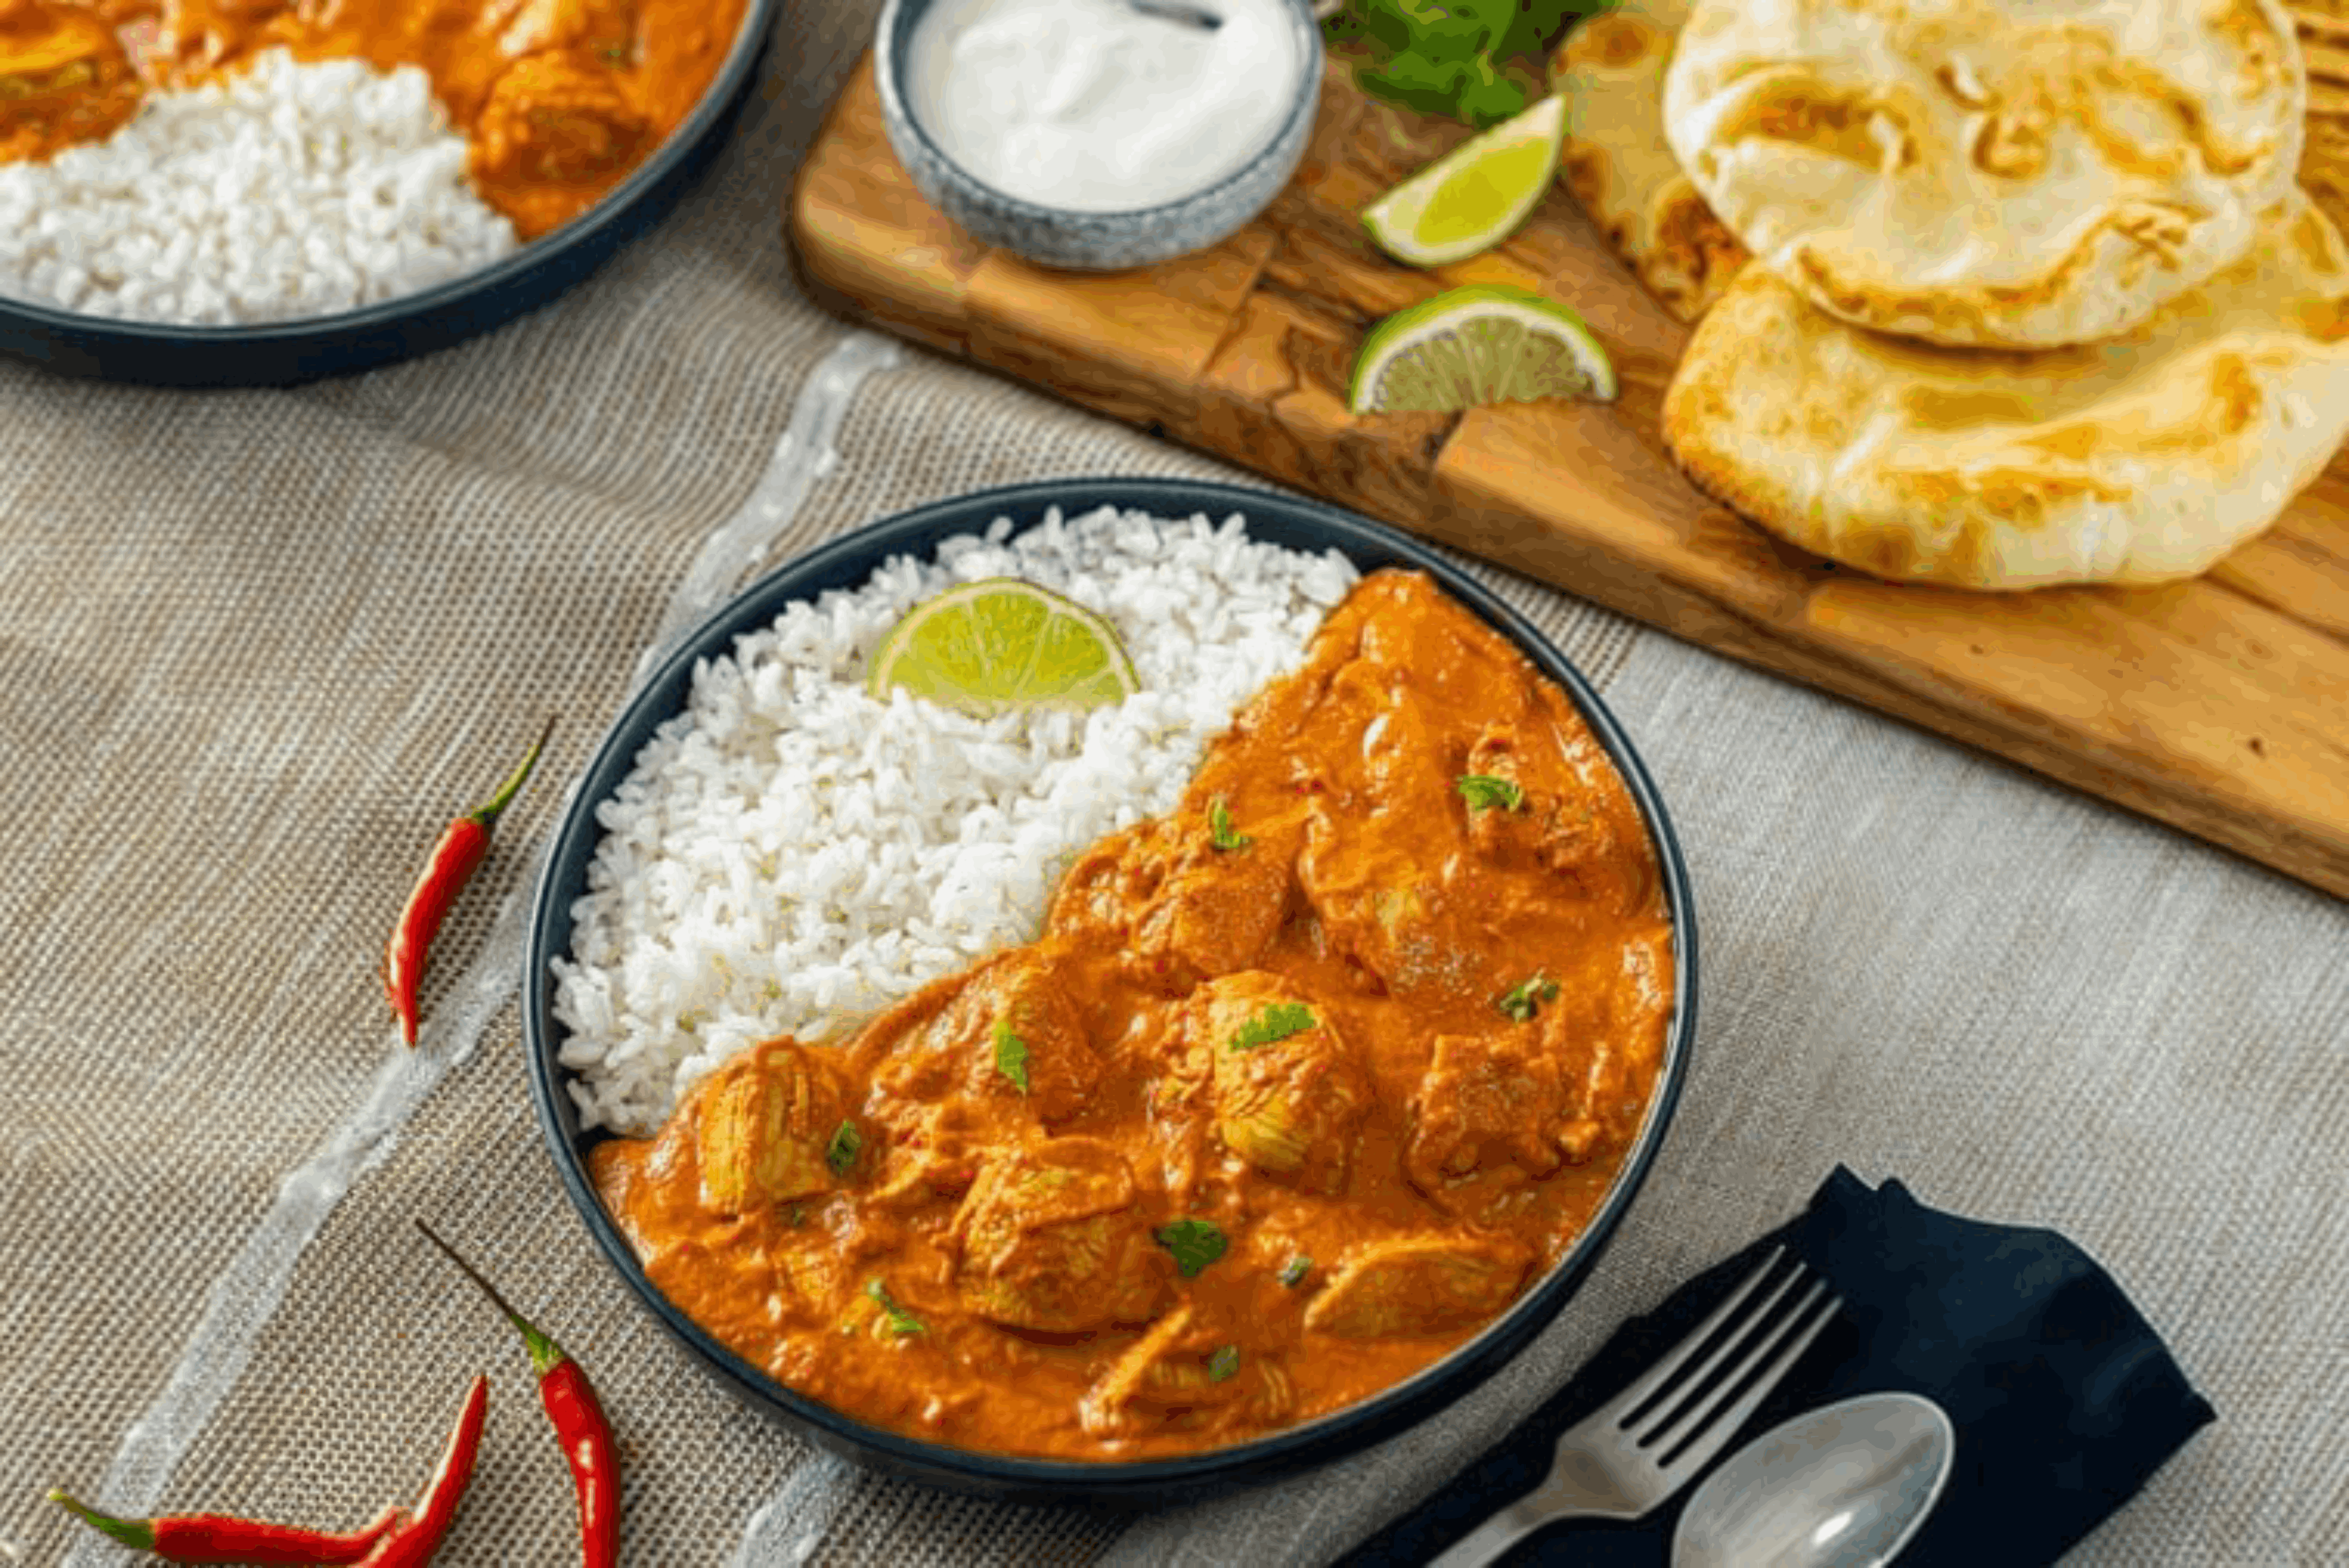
(279, 354)
(846, 563)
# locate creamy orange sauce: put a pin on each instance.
(559, 99)
(1387, 1055)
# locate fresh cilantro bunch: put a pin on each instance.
(1448, 56)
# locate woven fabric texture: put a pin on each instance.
(255, 647)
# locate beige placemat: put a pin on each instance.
(255, 647)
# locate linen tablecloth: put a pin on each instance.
(255, 647)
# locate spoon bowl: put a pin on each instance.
(1841, 1486)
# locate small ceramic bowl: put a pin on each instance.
(1085, 241)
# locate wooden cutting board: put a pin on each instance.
(2219, 705)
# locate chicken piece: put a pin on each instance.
(1003, 1039)
(1417, 1286)
(1014, 1034)
(1501, 824)
(64, 78)
(1286, 1096)
(761, 1127)
(1183, 909)
(1177, 1369)
(1484, 1098)
(1106, 889)
(555, 118)
(1561, 833)
(1384, 905)
(605, 29)
(1051, 1240)
(1595, 1077)
(1222, 907)
(38, 38)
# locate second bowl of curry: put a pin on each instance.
(585, 123)
(1292, 1156)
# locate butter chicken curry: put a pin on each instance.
(1302, 1084)
(559, 99)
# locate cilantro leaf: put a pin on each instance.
(1293, 1272)
(1219, 824)
(1276, 1022)
(1223, 1363)
(1010, 1055)
(1522, 1001)
(1485, 792)
(841, 1152)
(901, 1321)
(1196, 1243)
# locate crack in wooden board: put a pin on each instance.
(2219, 707)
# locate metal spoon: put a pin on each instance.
(1842, 1487)
(1175, 11)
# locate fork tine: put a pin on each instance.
(1661, 1373)
(1713, 1426)
(1736, 1342)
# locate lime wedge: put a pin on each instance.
(1471, 198)
(1483, 344)
(1000, 644)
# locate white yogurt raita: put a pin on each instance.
(1094, 106)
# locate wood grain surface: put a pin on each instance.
(2219, 705)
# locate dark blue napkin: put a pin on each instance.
(2064, 1398)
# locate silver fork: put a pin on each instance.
(1649, 1441)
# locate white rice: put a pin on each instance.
(790, 855)
(287, 191)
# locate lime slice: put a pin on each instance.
(1000, 644)
(1471, 198)
(1482, 343)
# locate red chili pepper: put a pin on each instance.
(577, 1416)
(417, 1534)
(402, 1537)
(218, 1538)
(463, 845)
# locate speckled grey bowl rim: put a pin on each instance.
(891, 57)
(848, 562)
(286, 353)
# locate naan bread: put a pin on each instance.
(1610, 71)
(2138, 459)
(2009, 173)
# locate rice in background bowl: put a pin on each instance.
(285, 191)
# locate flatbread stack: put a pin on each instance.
(2037, 300)
(1610, 71)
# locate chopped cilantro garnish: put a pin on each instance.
(1196, 1243)
(1219, 823)
(1010, 1055)
(1521, 1002)
(901, 1321)
(1223, 1363)
(841, 1152)
(1458, 58)
(1276, 1022)
(1293, 1272)
(1484, 792)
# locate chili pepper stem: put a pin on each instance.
(545, 1354)
(506, 792)
(132, 1533)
